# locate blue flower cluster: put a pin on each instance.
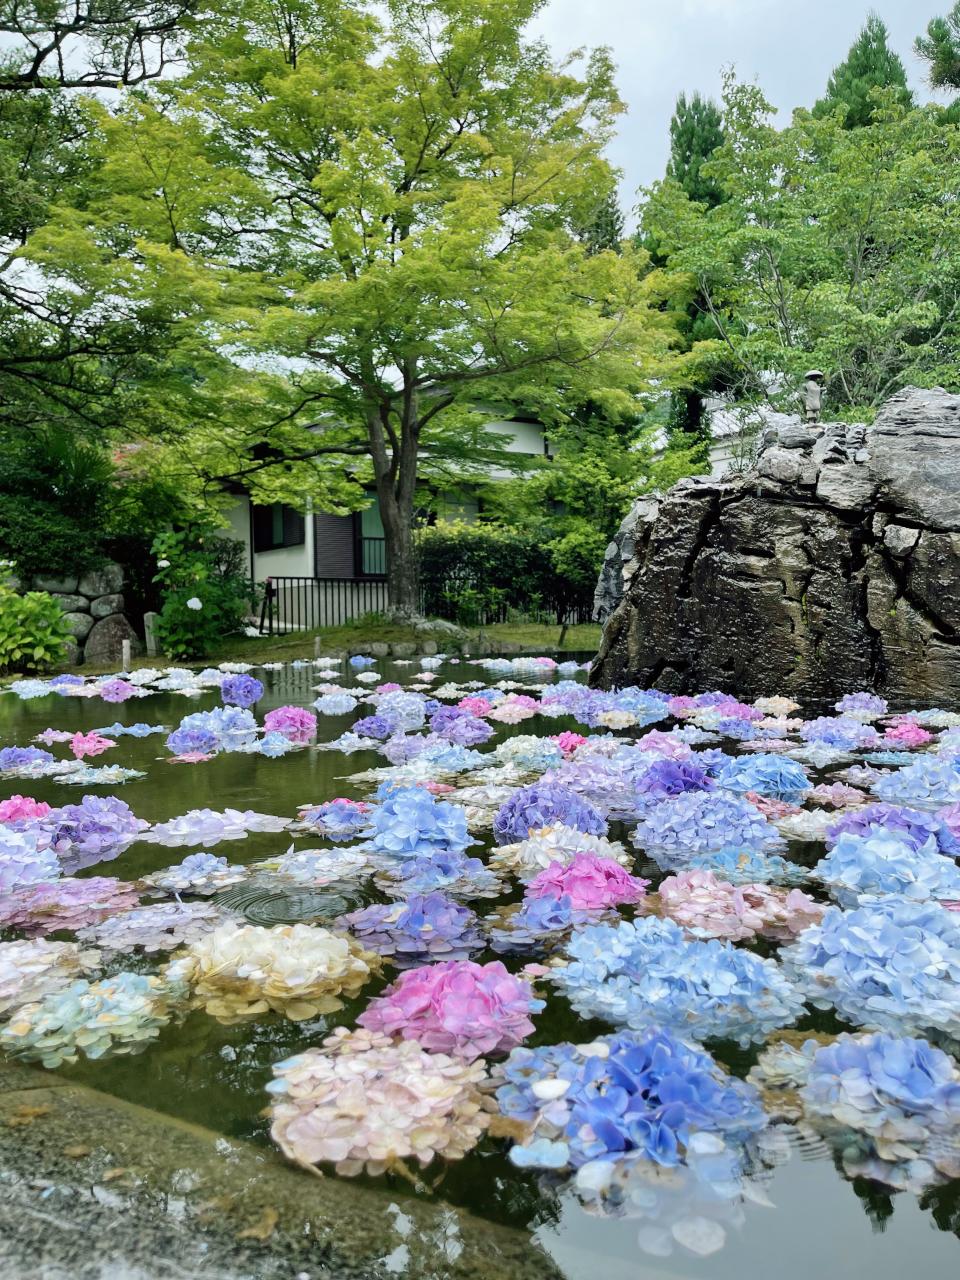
(882, 862)
(360, 661)
(460, 727)
(862, 701)
(842, 732)
(190, 739)
(703, 821)
(336, 819)
(624, 1097)
(541, 805)
(19, 757)
(738, 866)
(539, 924)
(403, 708)
(452, 872)
(138, 730)
(909, 825)
(767, 775)
(419, 930)
(222, 728)
(379, 727)
(891, 965)
(241, 690)
(645, 973)
(96, 829)
(927, 781)
(335, 704)
(411, 822)
(668, 778)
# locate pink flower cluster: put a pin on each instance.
(390, 687)
(770, 807)
(117, 690)
(667, 745)
(712, 908)
(296, 724)
(457, 1007)
(906, 733)
(90, 744)
(66, 904)
(22, 809)
(589, 882)
(476, 706)
(568, 742)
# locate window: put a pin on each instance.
(277, 526)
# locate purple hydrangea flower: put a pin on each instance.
(241, 690)
(422, 928)
(541, 805)
(379, 727)
(19, 757)
(910, 825)
(193, 740)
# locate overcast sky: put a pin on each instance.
(665, 47)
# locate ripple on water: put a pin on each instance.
(268, 904)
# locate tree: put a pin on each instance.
(380, 212)
(833, 248)
(696, 130)
(871, 64)
(940, 49)
(101, 44)
(603, 226)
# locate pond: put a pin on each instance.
(804, 1215)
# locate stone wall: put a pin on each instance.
(833, 565)
(93, 605)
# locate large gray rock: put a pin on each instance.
(105, 641)
(78, 624)
(103, 606)
(55, 585)
(101, 582)
(829, 567)
(71, 604)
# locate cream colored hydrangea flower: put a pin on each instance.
(556, 843)
(299, 970)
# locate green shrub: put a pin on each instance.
(205, 595)
(33, 633)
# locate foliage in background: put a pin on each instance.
(833, 248)
(871, 64)
(33, 633)
(696, 130)
(205, 594)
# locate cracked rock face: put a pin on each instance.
(833, 565)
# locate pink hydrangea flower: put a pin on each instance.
(770, 807)
(294, 723)
(90, 744)
(457, 1007)
(837, 794)
(589, 882)
(907, 733)
(568, 742)
(713, 908)
(476, 706)
(391, 686)
(682, 705)
(22, 809)
(117, 690)
(665, 744)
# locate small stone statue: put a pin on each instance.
(812, 396)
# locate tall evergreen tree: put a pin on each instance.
(940, 50)
(870, 64)
(602, 227)
(696, 130)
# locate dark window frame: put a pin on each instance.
(277, 526)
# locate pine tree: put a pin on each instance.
(602, 228)
(870, 64)
(696, 131)
(940, 50)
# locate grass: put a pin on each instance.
(355, 636)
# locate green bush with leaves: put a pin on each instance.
(33, 633)
(204, 591)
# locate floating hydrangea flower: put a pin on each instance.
(198, 873)
(621, 1098)
(703, 821)
(927, 783)
(207, 826)
(15, 758)
(298, 970)
(66, 903)
(843, 732)
(708, 907)
(857, 703)
(910, 825)
(667, 778)
(378, 727)
(338, 819)
(93, 829)
(740, 866)
(336, 704)
(553, 844)
(116, 1015)
(836, 794)
(881, 863)
(645, 972)
(25, 859)
(768, 775)
(405, 710)
(411, 822)
(890, 965)
(567, 742)
(157, 927)
(541, 805)
(33, 968)
(118, 690)
(529, 752)
(416, 930)
(28, 689)
(451, 872)
(361, 660)
(362, 1102)
(22, 809)
(241, 690)
(194, 741)
(534, 925)
(90, 744)
(591, 883)
(458, 1007)
(319, 868)
(907, 733)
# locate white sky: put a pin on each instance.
(664, 47)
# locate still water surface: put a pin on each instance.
(818, 1224)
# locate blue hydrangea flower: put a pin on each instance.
(541, 805)
(411, 822)
(667, 778)
(927, 782)
(646, 973)
(337, 819)
(862, 701)
(767, 775)
(360, 661)
(241, 690)
(185, 741)
(840, 731)
(452, 873)
(378, 727)
(19, 757)
(704, 821)
(336, 704)
(405, 709)
(418, 930)
(625, 1097)
(138, 730)
(738, 866)
(910, 825)
(881, 862)
(539, 924)
(892, 965)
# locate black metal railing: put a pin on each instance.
(302, 604)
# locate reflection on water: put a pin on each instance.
(803, 1216)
